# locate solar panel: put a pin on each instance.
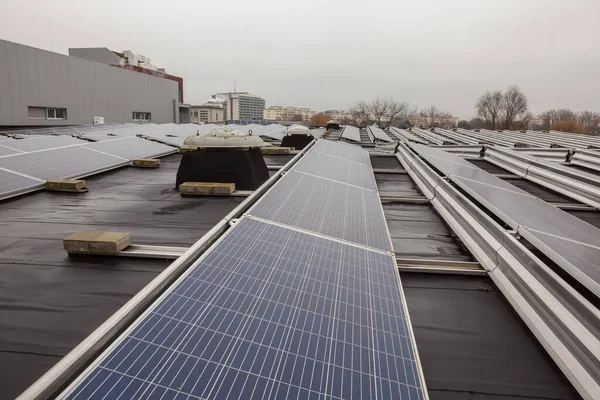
(379, 134)
(351, 133)
(337, 169)
(4, 151)
(342, 150)
(65, 162)
(329, 208)
(269, 312)
(570, 242)
(12, 184)
(132, 148)
(42, 143)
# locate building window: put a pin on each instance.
(56, 113)
(46, 113)
(141, 116)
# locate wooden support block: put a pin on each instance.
(97, 242)
(66, 185)
(185, 149)
(146, 162)
(276, 150)
(110, 242)
(206, 188)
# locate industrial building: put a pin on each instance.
(42, 88)
(373, 264)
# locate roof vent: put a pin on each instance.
(224, 137)
(224, 155)
(297, 136)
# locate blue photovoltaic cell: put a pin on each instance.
(269, 312)
(338, 169)
(329, 208)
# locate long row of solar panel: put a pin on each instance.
(269, 312)
(337, 169)
(12, 184)
(570, 242)
(132, 148)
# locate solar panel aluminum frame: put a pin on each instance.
(25, 190)
(563, 321)
(77, 359)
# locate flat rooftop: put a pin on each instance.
(471, 341)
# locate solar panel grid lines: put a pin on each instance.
(270, 312)
(351, 133)
(131, 148)
(61, 163)
(42, 143)
(5, 151)
(326, 207)
(12, 183)
(337, 169)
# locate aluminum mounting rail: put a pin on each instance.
(575, 184)
(430, 136)
(462, 151)
(461, 138)
(585, 158)
(405, 135)
(71, 364)
(553, 154)
(486, 138)
(565, 323)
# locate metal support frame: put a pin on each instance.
(577, 185)
(565, 323)
(585, 158)
(60, 374)
(433, 266)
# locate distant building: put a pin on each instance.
(241, 105)
(536, 123)
(42, 88)
(127, 60)
(207, 113)
(339, 115)
(425, 120)
(280, 113)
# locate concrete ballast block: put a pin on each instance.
(206, 188)
(110, 242)
(276, 150)
(79, 242)
(97, 242)
(146, 162)
(74, 185)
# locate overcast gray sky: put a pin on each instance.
(330, 54)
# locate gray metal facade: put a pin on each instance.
(98, 54)
(31, 77)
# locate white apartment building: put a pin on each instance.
(424, 120)
(207, 113)
(339, 115)
(241, 105)
(280, 113)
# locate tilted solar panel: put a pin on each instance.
(268, 313)
(12, 184)
(65, 162)
(570, 242)
(338, 169)
(342, 150)
(132, 148)
(330, 208)
(42, 143)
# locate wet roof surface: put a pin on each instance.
(49, 301)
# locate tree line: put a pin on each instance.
(509, 110)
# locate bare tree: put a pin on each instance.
(360, 114)
(590, 120)
(383, 111)
(436, 118)
(489, 107)
(551, 116)
(514, 107)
